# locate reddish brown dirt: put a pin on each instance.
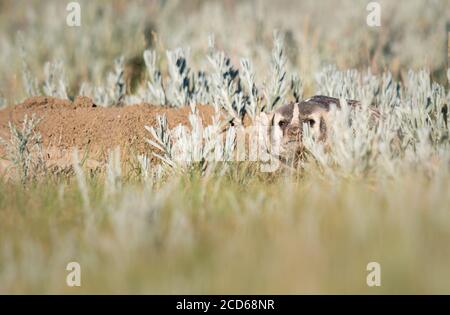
(93, 130)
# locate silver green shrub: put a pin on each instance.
(154, 93)
(225, 85)
(55, 83)
(278, 83)
(410, 133)
(178, 87)
(24, 149)
(249, 83)
(29, 82)
(182, 148)
(243, 30)
(114, 92)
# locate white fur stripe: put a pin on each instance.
(295, 114)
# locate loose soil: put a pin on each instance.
(93, 130)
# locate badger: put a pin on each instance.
(284, 126)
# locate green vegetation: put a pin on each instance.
(379, 192)
(219, 235)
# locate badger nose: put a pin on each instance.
(293, 131)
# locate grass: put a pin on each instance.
(379, 192)
(244, 29)
(216, 235)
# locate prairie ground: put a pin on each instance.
(93, 116)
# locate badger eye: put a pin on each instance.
(283, 123)
(310, 122)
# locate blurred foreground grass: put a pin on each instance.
(223, 235)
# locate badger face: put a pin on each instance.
(288, 123)
(285, 126)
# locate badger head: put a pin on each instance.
(286, 125)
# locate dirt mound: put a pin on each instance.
(92, 129)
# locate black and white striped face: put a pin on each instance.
(286, 125)
(289, 121)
